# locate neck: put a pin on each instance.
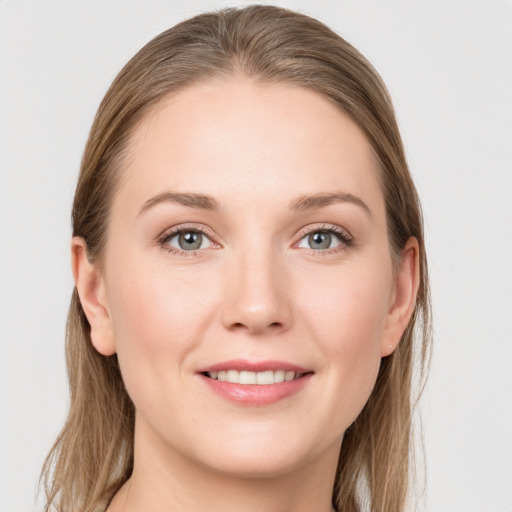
(164, 480)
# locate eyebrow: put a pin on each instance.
(198, 201)
(302, 203)
(312, 202)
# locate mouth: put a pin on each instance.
(246, 377)
(255, 383)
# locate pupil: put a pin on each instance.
(190, 240)
(320, 240)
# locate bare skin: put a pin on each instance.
(273, 277)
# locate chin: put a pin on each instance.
(266, 455)
(257, 465)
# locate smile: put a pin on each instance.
(259, 378)
(250, 383)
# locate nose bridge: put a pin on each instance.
(257, 295)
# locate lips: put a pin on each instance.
(255, 383)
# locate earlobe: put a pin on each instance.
(91, 289)
(406, 286)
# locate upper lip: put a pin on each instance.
(254, 366)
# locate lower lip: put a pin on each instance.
(256, 394)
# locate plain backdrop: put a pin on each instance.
(448, 66)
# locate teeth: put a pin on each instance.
(265, 377)
(279, 376)
(247, 378)
(261, 378)
(232, 376)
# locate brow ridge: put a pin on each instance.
(192, 200)
(315, 201)
(300, 204)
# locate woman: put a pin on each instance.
(251, 280)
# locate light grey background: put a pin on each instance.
(448, 66)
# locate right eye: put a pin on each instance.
(186, 241)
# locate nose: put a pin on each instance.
(257, 298)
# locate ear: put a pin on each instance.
(91, 289)
(403, 297)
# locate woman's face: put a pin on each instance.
(248, 234)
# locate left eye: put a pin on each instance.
(321, 239)
(188, 240)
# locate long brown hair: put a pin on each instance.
(93, 455)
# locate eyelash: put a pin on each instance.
(345, 239)
(343, 236)
(168, 235)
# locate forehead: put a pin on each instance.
(239, 140)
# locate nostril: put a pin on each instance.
(241, 325)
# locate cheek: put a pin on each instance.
(152, 313)
(158, 318)
(348, 319)
(347, 308)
